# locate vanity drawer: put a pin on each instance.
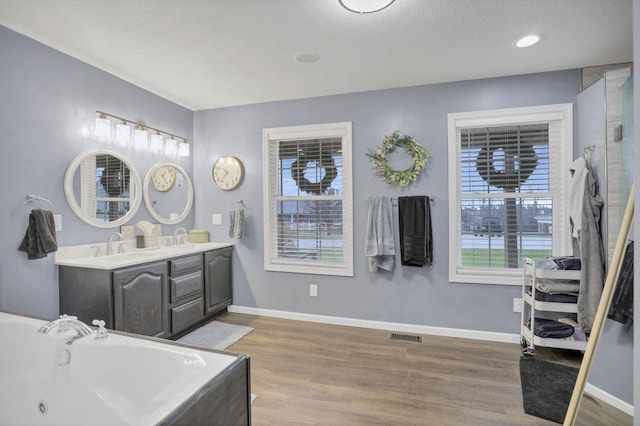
(185, 286)
(185, 264)
(186, 315)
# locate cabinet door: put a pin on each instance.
(217, 287)
(140, 299)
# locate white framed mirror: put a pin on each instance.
(168, 193)
(102, 188)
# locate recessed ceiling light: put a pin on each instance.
(365, 6)
(307, 58)
(526, 41)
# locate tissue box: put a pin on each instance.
(198, 236)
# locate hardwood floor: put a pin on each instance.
(317, 374)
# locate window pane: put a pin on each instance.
(310, 167)
(504, 159)
(501, 232)
(310, 230)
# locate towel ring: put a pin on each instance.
(34, 198)
(239, 202)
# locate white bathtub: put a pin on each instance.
(120, 380)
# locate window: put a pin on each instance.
(307, 199)
(508, 174)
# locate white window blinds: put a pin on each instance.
(508, 187)
(308, 199)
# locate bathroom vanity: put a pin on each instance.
(161, 293)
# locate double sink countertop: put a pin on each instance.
(84, 256)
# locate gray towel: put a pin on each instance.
(40, 237)
(236, 223)
(379, 244)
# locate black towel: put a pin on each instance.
(40, 237)
(621, 309)
(416, 242)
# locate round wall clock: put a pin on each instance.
(227, 172)
(163, 178)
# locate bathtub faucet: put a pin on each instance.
(65, 323)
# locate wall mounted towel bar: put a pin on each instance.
(34, 198)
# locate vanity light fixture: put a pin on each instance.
(526, 41)
(174, 144)
(170, 147)
(141, 138)
(365, 6)
(155, 144)
(103, 128)
(183, 149)
(123, 133)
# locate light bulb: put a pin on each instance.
(155, 145)
(103, 128)
(183, 149)
(170, 147)
(141, 140)
(123, 134)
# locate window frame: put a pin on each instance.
(560, 116)
(329, 130)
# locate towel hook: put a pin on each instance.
(31, 198)
(587, 151)
(240, 202)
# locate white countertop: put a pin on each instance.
(84, 256)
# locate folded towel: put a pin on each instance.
(40, 237)
(557, 286)
(236, 223)
(416, 240)
(379, 245)
(551, 329)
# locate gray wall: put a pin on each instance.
(421, 296)
(46, 100)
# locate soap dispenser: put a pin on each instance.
(139, 239)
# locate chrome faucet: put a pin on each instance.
(177, 241)
(65, 323)
(110, 243)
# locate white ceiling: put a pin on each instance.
(214, 53)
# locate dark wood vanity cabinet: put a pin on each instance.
(161, 299)
(140, 299)
(218, 286)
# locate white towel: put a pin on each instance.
(236, 223)
(379, 241)
(579, 172)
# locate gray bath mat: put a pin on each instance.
(216, 335)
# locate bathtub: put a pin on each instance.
(120, 380)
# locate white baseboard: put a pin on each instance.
(380, 325)
(621, 405)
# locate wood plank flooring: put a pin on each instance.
(317, 374)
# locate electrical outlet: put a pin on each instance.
(517, 304)
(313, 290)
(216, 219)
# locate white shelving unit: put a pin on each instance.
(532, 308)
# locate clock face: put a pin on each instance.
(163, 178)
(227, 172)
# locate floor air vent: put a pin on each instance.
(406, 337)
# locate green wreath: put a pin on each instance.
(389, 144)
(526, 159)
(318, 188)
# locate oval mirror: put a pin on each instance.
(168, 193)
(102, 188)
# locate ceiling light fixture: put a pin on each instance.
(365, 6)
(526, 41)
